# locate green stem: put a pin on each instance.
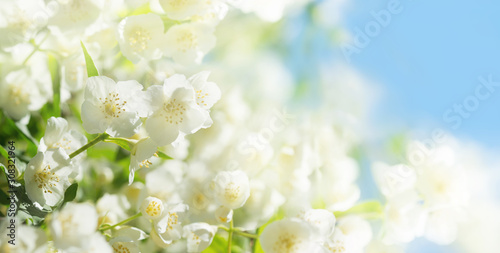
(224, 228)
(98, 139)
(245, 234)
(230, 236)
(35, 48)
(121, 222)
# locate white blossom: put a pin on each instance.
(46, 177)
(288, 235)
(189, 42)
(231, 188)
(199, 236)
(112, 107)
(174, 110)
(58, 135)
(141, 37)
(73, 226)
(20, 94)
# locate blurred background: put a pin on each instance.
(419, 67)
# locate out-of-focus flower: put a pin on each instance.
(199, 236)
(139, 155)
(46, 177)
(112, 107)
(181, 10)
(141, 37)
(288, 235)
(33, 239)
(74, 16)
(58, 135)
(322, 221)
(112, 208)
(20, 94)
(223, 214)
(404, 218)
(356, 233)
(73, 226)
(126, 239)
(189, 42)
(231, 188)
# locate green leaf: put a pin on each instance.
(219, 244)
(163, 155)
(368, 209)
(91, 69)
(4, 198)
(70, 193)
(4, 153)
(124, 143)
(56, 85)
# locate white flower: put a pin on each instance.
(442, 226)
(73, 73)
(260, 206)
(404, 218)
(20, 94)
(212, 12)
(223, 214)
(152, 208)
(141, 37)
(58, 135)
(182, 9)
(207, 93)
(112, 208)
(288, 235)
(231, 188)
(112, 107)
(73, 226)
(74, 15)
(174, 110)
(97, 244)
(163, 181)
(393, 180)
(187, 43)
(139, 155)
(27, 238)
(168, 227)
(126, 239)
(46, 177)
(19, 21)
(199, 236)
(323, 221)
(357, 232)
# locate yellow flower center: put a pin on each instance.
(174, 112)
(118, 247)
(186, 41)
(139, 39)
(232, 192)
(286, 243)
(112, 105)
(173, 219)
(45, 179)
(17, 95)
(154, 208)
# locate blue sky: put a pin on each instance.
(429, 58)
